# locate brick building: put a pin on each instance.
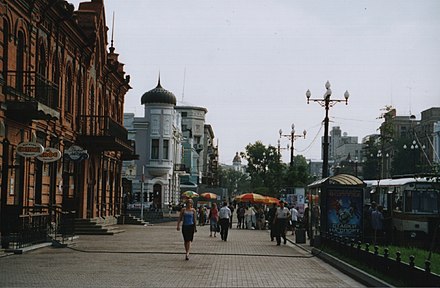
(61, 93)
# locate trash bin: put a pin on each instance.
(300, 235)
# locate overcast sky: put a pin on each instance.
(250, 62)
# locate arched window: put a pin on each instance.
(42, 65)
(68, 94)
(20, 61)
(57, 80)
(41, 76)
(5, 47)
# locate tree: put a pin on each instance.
(297, 174)
(269, 175)
(234, 180)
(264, 167)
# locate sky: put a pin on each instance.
(250, 63)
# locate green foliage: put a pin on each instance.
(268, 174)
(234, 180)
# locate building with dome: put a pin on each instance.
(236, 163)
(158, 137)
(175, 147)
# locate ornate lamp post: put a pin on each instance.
(326, 102)
(414, 148)
(292, 136)
(282, 148)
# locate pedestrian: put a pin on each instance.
(201, 215)
(377, 222)
(282, 215)
(224, 215)
(261, 219)
(248, 218)
(306, 222)
(270, 219)
(240, 216)
(213, 219)
(231, 207)
(293, 218)
(188, 217)
(368, 220)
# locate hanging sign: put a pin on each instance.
(76, 153)
(49, 155)
(29, 149)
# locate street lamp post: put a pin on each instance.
(326, 103)
(292, 136)
(355, 162)
(281, 148)
(414, 147)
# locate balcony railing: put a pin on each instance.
(30, 96)
(101, 126)
(24, 86)
(102, 132)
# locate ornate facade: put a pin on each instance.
(60, 88)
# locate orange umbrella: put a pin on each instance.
(270, 200)
(209, 196)
(190, 194)
(250, 197)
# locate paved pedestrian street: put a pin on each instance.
(153, 256)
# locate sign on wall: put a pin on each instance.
(76, 153)
(29, 149)
(49, 155)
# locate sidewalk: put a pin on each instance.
(153, 256)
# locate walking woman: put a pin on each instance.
(213, 220)
(188, 217)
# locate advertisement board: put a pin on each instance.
(344, 216)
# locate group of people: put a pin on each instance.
(220, 221)
(280, 219)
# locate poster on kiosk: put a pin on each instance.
(344, 213)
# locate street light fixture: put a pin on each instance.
(414, 147)
(292, 136)
(282, 148)
(326, 103)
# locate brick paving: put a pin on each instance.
(153, 256)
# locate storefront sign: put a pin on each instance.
(49, 155)
(29, 149)
(76, 153)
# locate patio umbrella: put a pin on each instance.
(250, 197)
(190, 194)
(270, 200)
(209, 196)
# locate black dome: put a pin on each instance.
(158, 95)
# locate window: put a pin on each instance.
(20, 61)
(5, 47)
(68, 95)
(165, 148)
(154, 148)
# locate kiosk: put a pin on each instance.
(335, 208)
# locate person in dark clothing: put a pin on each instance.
(231, 207)
(282, 215)
(270, 218)
(224, 215)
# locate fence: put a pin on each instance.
(386, 264)
(37, 224)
